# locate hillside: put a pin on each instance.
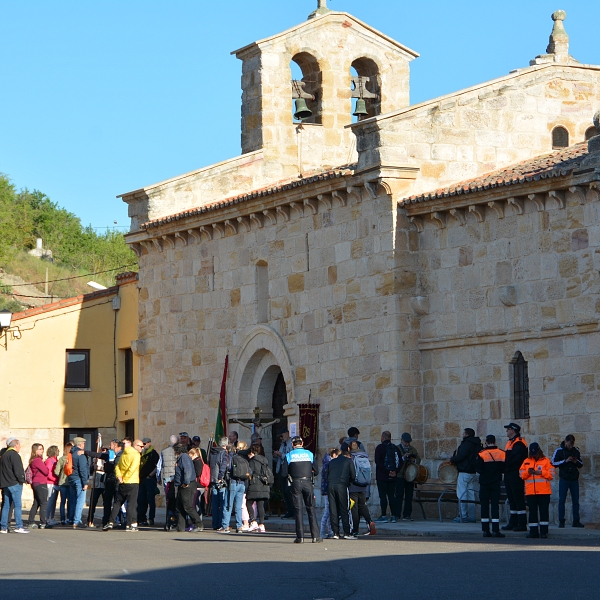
(79, 254)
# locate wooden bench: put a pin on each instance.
(438, 492)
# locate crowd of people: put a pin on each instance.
(234, 479)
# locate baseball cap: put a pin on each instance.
(9, 440)
(513, 426)
(406, 437)
(78, 440)
(196, 438)
(146, 440)
(284, 431)
(184, 434)
(534, 448)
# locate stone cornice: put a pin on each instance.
(269, 209)
(499, 337)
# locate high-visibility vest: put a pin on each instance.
(511, 443)
(539, 482)
(492, 455)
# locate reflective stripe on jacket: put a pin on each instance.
(538, 482)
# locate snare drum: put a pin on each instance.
(447, 473)
(416, 473)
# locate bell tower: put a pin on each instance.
(346, 67)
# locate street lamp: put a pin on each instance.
(5, 319)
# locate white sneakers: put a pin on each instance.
(21, 530)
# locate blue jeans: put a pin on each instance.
(52, 497)
(563, 487)
(76, 501)
(218, 503)
(234, 498)
(64, 491)
(12, 495)
(325, 520)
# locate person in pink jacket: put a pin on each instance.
(52, 454)
(39, 484)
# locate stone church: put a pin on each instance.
(418, 268)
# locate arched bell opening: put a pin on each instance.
(307, 95)
(560, 138)
(365, 83)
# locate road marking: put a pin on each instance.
(126, 571)
(51, 541)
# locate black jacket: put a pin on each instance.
(569, 471)
(257, 490)
(490, 466)
(516, 453)
(148, 464)
(341, 471)
(11, 469)
(464, 458)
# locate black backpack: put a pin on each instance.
(266, 475)
(240, 469)
(391, 461)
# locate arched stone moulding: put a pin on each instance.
(262, 348)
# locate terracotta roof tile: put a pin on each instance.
(556, 164)
(274, 188)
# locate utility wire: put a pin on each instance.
(69, 278)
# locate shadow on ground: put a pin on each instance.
(314, 571)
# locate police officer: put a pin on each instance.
(301, 470)
(490, 466)
(516, 453)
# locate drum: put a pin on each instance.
(416, 473)
(447, 473)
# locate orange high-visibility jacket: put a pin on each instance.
(539, 482)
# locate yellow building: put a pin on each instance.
(69, 368)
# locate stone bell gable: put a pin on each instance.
(326, 47)
(340, 57)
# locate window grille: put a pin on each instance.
(520, 387)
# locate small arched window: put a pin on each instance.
(365, 85)
(560, 138)
(307, 81)
(262, 292)
(590, 132)
(520, 387)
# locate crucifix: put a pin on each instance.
(321, 9)
(255, 425)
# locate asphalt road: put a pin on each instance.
(153, 564)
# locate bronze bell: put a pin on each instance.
(302, 111)
(361, 108)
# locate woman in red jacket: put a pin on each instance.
(39, 484)
(537, 472)
(52, 454)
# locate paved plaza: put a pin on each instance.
(154, 564)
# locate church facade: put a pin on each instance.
(425, 268)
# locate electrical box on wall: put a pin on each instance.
(116, 303)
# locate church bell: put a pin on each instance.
(361, 108)
(302, 111)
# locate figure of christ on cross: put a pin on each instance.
(256, 426)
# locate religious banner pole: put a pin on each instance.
(221, 425)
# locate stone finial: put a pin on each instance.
(321, 9)
(559, 39)
(558, 48)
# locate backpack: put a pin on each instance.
(240, 469)
(204, 477)
(68, 468)
(391, 461)
(29, 475)
(266, 475)
(363, 471)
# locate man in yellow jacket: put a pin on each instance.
(127, 472)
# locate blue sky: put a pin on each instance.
(103, 97)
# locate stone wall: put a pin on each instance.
(479, 129)
(334, 314)
(525, 283)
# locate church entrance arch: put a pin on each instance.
(262, 380)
